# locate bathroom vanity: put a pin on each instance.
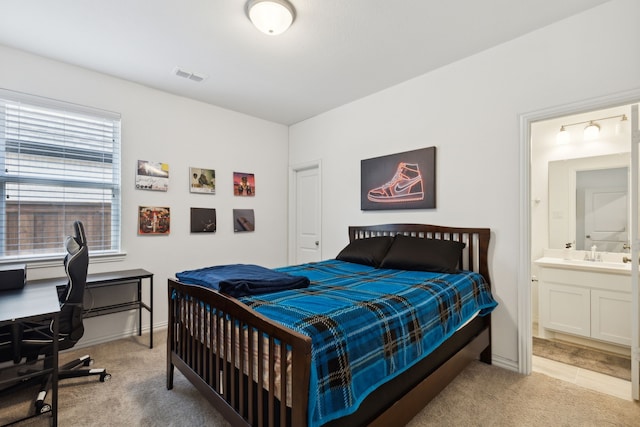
(589, 299)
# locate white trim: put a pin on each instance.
(635, 299)
(157, 327)
(293, 169)
(501, 362)
(56, 261)
(524, 259)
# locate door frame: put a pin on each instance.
(293, 203)
(525, 337)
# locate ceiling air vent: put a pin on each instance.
(189, 75)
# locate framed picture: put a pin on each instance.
(243, 220)
(244, 184)
(152, 176)
(399, 181)
(203, 220)
(154, 220)
(202, 180)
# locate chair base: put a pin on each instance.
(69, 370)
(74, 369)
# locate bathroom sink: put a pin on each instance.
(578, 264)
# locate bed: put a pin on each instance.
(256, 371)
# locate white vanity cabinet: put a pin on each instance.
(593, 303)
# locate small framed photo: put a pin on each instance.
(202, 180)
(243, 220)
(203, 220)
(154, 220)
(244, 184)
(152, 176)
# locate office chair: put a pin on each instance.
(35, 339)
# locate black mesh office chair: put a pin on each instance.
(35, 339)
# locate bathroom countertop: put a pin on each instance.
(579, 264)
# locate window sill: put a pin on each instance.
(55, 261)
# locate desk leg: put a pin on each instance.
(54, 375)
(151, 312)
(139, 307)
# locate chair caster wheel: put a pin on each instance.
(105, 377)
(87, 362)
(44, 409)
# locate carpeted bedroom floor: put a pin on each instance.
(482, 395)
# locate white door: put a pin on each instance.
(605, 219)
(306, 212)
(635, 251)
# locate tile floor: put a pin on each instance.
(583, 377)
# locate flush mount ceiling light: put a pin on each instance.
(272, 17)
(591, 131)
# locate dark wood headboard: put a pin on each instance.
(474, 256)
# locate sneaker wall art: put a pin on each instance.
(399, 181)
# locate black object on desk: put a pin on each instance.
(34, 303)
(13, 277)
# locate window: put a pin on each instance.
(59, 163)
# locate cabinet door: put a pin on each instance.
(611, 316)
(565, 308)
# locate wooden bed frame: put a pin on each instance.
(210, 349)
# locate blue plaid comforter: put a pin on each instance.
(369, 325)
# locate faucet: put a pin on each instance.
(591, 256)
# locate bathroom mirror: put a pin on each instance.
(588, 202)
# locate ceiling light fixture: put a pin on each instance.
(272, 17)
(591, 131)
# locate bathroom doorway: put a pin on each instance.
(567, 356)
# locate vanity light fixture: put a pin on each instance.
(621, 126)
(591, 131)
(272, 17)
(563, 137)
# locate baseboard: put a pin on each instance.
(161, 326)
(501, 362)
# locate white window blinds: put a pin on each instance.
(59, 163)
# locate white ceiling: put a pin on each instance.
(335, 52)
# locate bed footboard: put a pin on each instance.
(253, 370)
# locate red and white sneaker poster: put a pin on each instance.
(399, 181)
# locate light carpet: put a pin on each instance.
(482, 395)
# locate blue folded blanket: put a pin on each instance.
(238, 280)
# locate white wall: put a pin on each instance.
(470, 111)
(157, 126)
